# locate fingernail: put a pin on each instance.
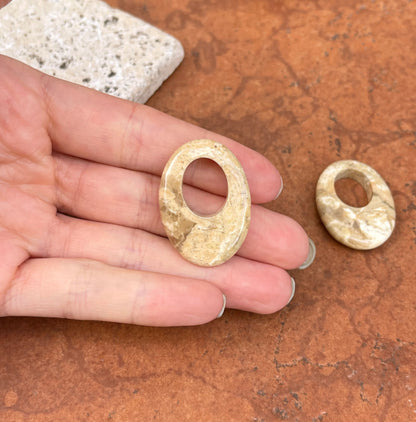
(293, 290)
(223, 307)
(311, 255)
(281, 188)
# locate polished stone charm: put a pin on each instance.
(205, 240)
(357, 227)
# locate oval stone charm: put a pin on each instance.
(212, 240)
(357, 227)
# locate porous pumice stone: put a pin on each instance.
(89, 43)
(357, 227)
(205, 240)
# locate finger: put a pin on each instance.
(88, 290)
(98, 127)
(248, 285)
(124, 197)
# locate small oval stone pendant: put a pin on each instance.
(212, 240)
(357, 227)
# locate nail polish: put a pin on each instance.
(281, 188)
(311, 255)
(293, 290)
(223, 307)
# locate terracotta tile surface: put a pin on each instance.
(305, 83)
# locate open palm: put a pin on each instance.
(80, 232)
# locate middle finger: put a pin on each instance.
(124, 197)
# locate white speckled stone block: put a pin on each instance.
(89, 43)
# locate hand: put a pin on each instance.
(80, 231)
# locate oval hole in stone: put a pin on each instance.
(351, 192)
(200, 202)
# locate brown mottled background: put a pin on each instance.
(306, 83)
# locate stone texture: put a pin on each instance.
(357, 227)
(307, 84)
(205, 240)
(89, 43)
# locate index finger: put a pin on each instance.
(98, 127)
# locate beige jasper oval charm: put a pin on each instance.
(212, 240)
(359, 228)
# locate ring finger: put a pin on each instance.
(248, 285)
